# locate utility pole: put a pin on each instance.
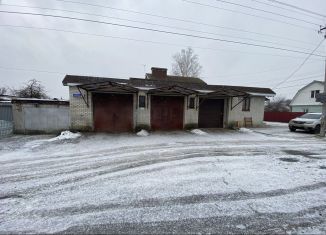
(323, 119)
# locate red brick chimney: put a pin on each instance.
(159, 73)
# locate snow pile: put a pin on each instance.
(143, 133)
(66, 135)
(198, 132)
(245, 130)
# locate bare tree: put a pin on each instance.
(186, 63)
(3, 90)
(32, 89)
(278, 104)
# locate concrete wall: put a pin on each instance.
(307, 108)
(237, 115)
(81, 116)
(40, 118)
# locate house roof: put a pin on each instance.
(152, 83)
(176, 79)
(298, 92)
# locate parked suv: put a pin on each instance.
(309, 122)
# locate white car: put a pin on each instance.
(308, 122)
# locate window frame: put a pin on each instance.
(192, 103)
(141, 103)
(246, 103)
(312, 94)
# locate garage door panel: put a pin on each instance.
(167, 112)
(113, 113)
(211, 112)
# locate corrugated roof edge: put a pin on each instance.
(76, 79)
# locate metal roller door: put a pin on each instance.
(167, 112)
(211, 113)
(113, 113)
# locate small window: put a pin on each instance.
(191, 102)
(246, 104)
(314, 93)
(142, 102)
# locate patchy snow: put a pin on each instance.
(143, 133)
(65, 135)
(224, 182)
(245, 130)
(276, 124)
(198, 132)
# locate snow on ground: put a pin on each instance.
(261, 180)
(198, 132)
(143, 133)
(65, 135)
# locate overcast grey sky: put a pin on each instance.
(127, 52)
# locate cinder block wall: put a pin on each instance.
(81, 116)
(256, 112)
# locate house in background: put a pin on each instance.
(305, 99)
(160, 102)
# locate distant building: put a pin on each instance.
(305, 99)
(160, 102)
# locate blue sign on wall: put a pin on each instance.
(76, 95)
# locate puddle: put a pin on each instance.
(289, 159)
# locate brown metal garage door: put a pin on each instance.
(113, 113)
(167, 112)
(211, 113)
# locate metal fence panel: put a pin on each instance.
(6, 119)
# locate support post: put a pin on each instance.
(323, 119)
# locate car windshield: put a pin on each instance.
(311, 116)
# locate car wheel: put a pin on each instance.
(292, 129)
(317, 129)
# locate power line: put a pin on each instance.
(287, 9)
(260, 72)
(298, 8)
(153, 24)
(299, 79)
(290, 86)
(29, 70)
(300, 66)
(244, 13)
(265, 11)
(159, 31)
(179, 20)
(149, 41)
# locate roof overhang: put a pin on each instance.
(172, 90)
(108, 87)
(226, 92)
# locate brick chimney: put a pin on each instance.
(159, 73)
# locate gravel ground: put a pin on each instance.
(264, 180)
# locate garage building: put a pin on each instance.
(160, 102)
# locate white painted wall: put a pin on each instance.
(190, 119)
(257, 105)
(303, 97)
(143, 115)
